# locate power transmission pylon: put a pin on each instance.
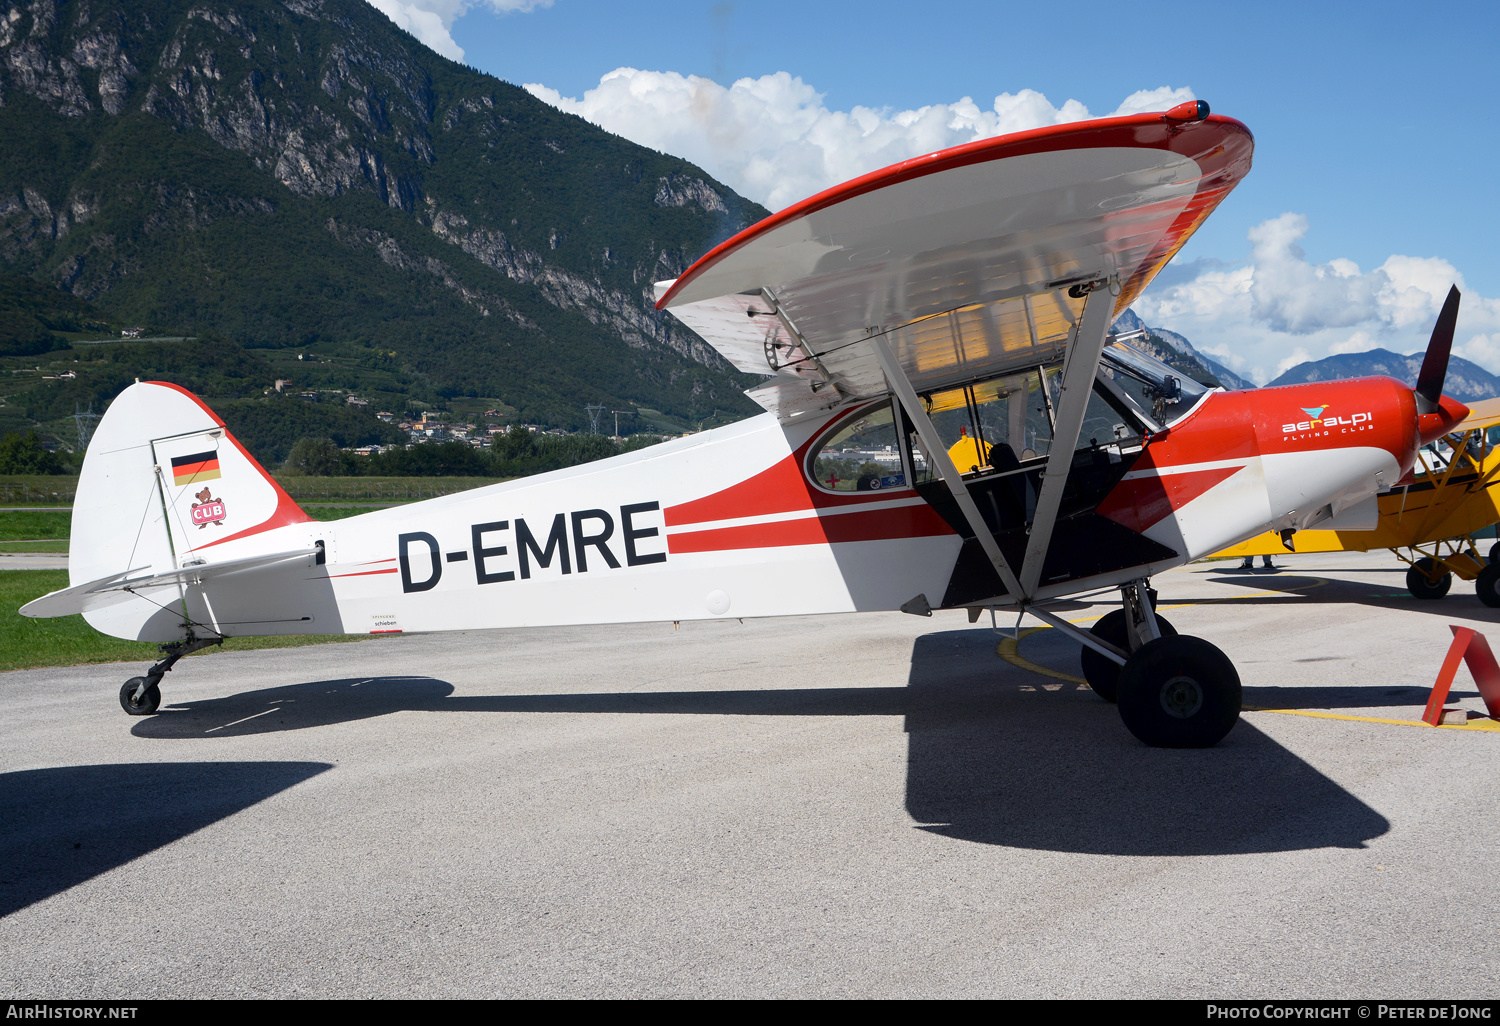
(594, 409)
(84, 427)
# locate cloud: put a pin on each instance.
(431, 20)
(1276, 308)
(1359, 342)
(773, 139)
(1299, 355)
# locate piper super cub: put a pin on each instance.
(948, 425)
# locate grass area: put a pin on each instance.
(69, 641)
(37, 489)
(47, 530)
(326, 513)
(30, 525)
(377, 489)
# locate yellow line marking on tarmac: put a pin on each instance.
(1009, 650)
(1480, 724)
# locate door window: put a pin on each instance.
(861, 455)
(993, 425)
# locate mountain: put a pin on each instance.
(304, 180)
(1465, 382)
(1176, 351)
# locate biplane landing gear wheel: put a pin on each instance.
(1103, 674)
(1420, 580)
(148, 702)
(1495, 552)
(1487, 585)
(1179, 692)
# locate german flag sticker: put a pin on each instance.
(200, 466)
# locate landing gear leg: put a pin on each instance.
(1174, 691)
(141, 696)
(1127, 628)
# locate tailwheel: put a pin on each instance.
(1427, 579)
(1487, 585)
(140, 697)
(1102, 673)
(1179, 692)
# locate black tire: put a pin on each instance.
(1179, 692)
(1487, 585)
(148, 703)
(1495, 552)
(1420, 583)
(1103, 674)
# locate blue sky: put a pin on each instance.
(1376, 143)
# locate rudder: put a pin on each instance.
(163, 480)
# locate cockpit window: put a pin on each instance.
(993, 425)
(1162, 392)
(861, 455)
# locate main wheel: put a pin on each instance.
(1420, 579)
(1487, 585)
(1495, 552)
(1101, 672)
(149, 701)
(1179, 692)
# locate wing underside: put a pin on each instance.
(969, 263)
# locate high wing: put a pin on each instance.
(965, 264)
(968, 262)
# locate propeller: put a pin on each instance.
(1429, 388)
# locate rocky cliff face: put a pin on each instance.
(157, 133)
(1129, 321)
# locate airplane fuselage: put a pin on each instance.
(726, 523)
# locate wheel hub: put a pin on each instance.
(1181, 697)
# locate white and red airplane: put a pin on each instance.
(948, 425)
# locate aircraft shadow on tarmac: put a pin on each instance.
(1309, 587)
(996, 754)
(1046, 764)
(65, 825)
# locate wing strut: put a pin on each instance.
(1077, 385)
(932, 446)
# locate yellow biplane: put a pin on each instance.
(1430, 521)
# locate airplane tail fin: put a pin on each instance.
(165, 484)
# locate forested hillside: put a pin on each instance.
(274, 178)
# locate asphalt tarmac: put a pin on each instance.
(841, 806)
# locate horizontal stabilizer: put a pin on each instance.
(116, 587)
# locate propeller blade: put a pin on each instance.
(1435, 365)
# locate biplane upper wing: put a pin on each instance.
(968, 262)
(1482, 414)
(994, 256)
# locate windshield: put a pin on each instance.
(1164, 392)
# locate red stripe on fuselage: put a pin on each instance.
(1139, 502)
(780, 488)
(915, 521)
